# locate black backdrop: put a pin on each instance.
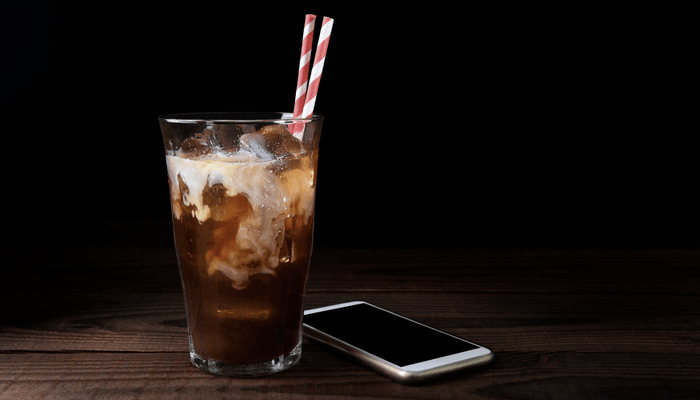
(437, 118)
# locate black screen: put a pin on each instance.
(386, 335)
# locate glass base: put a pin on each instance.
(247, 370)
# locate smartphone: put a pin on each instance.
(402, 349)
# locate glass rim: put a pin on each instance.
(236, 118)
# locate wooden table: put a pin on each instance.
(105, 320)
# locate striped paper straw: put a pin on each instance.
(309, 99)
(302, 80)
(319, 60)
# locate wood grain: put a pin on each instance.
(325, 375)
(108, 322)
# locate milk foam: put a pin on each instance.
(273, 199)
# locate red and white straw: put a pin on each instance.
(319, 60)
(315, 79)
(307, 42)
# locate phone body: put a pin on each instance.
(402, 349)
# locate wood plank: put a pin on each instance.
(132, 322)
(155, 322)
(326, 375)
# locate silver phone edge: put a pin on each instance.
(387, 369)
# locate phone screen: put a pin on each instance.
(386, 335)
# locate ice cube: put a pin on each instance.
(228, 137)
(194, 148)
(279, 141)
(255, 143)
(201, 144)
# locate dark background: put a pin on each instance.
(444, 125)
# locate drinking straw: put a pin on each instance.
(319, 60)
(302, 80)
(315, 79)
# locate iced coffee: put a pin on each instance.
(242, 197)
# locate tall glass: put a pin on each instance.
(242, 190)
